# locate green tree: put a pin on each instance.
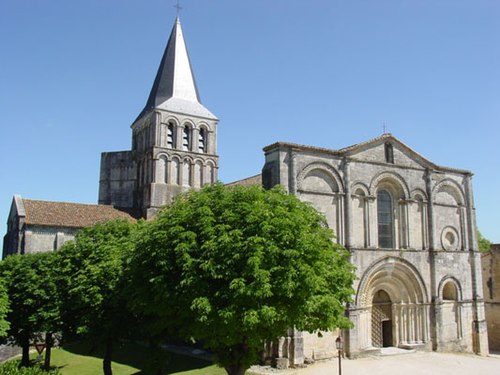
(483, 243)
(29, 280)
(4, 309)
(236, 267)
(91, 275)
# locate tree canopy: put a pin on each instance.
(32, 293)
(91, 276)
(233, 267)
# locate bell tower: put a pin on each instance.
(174, 146)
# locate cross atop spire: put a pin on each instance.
(178, 8)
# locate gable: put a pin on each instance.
(387, 149)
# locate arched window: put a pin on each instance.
(385, 220)
(171, 135)
(202, 140)
(186, 138)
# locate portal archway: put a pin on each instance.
(393, 301)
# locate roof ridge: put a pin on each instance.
(65, 202)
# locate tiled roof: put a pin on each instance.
(254, 180)
(70, 215)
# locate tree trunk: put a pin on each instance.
(106, 362)
(236, 357)
(235, 370)
(25, 345)
(49, 342)
(156, 363)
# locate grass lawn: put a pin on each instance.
(129, 359)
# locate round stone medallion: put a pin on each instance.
(449, 239)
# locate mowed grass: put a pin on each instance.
(129, 358)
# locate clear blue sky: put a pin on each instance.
(75, 74)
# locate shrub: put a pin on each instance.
(12, 368)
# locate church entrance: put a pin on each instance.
(387, 333)
(393, 307)
(382, 320)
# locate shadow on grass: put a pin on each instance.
(139, 357)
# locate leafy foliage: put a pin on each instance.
(483, 243)
(33, 299)
(4, 309)
(234, 267)
(12, 368)
(91, 275)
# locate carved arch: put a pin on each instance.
(360, 186)
(327, 169)
(444, 282)
(170, 118)
(398, 277)
(451, 187)
(203, 125)
(418, 192)
(391, 177)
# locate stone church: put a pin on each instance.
(408, 223)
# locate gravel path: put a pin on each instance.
(7, 352)
(420, 363)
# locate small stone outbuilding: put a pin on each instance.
(35, 225)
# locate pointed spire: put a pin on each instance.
(174, 88)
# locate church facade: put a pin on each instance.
(408, 223)
(411, 230)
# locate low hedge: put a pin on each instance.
(12, 368)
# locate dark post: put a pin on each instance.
(340, 345)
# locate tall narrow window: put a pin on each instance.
(202, 140)
(170, 136)
(186, 138)
(389, 153)
(385, 220)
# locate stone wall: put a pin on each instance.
(491, 285)
(117, 182)
(41, 239)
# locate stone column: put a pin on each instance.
(212, 143)
(194, 139)
(463, 230)
(430, 210)
(403, 224)
(339, 218)
(296, 354)
(372, 223)
(433, 315)
(179, 134)
(425, 226)
(480, 336)
(292, 176)
(347, 205)
(154, 170)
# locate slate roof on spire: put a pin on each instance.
(174, 88)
